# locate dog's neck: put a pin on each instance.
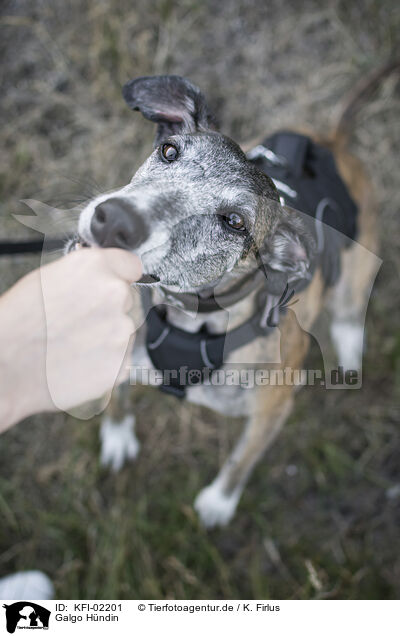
(216, 321)
(237, 305)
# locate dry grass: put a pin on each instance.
(330, 531)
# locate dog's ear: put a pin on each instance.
(290, 248)
(172, 102)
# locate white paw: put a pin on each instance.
(348, 339)
(118, 442)
(214, 507)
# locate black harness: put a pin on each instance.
(305, 176)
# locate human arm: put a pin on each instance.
(64, 332)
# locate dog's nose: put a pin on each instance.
(116, 223)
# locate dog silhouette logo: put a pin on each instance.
(26, 615)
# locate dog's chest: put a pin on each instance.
(230, 389)
(227, 399)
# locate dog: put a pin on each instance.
(205, 221)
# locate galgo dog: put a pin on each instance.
(241, 249)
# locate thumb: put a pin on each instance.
(124, 264)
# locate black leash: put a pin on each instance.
(8, 248)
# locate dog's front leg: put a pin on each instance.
(271, 406)
(117, 433)
(216, 504)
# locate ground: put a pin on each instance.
(320, 516)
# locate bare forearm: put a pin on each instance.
(23, 387)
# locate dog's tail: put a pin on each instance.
(361, 92)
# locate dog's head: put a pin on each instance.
(197, 209)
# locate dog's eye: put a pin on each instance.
(234, 221)
(169, 152)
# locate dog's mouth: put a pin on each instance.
(78, 243)
(81, 244)
(75, 243)
(148, 279)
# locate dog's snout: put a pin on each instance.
(116, 223)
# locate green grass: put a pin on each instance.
(329, 531)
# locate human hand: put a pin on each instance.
(65, 332)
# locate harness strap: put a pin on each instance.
(294, 148)
(186, 356)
